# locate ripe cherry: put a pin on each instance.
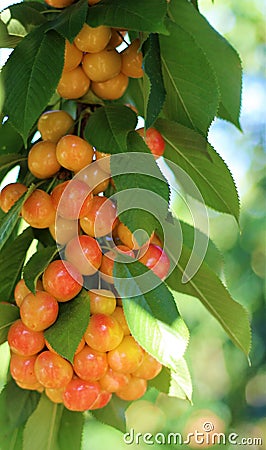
(22, 368)
(135, 389)
(106, 269)
(63, 230)
(92, 39)
(111, 89)
(73, 152)
(154, 140)
(21, 290)
(102, 301)
(132, 60)
(42, 160)
(73, 57)
(85, 253)
(100, 219)
(149, 368)
(119, 315)
(54, 124)
(39, 311)
(30, 386)
(157, 260)
(55, 395)
(94, 177)
(59, 3)
(24, 341)
(72, 199)
(73, 84)
(102, 400)
(104, 333)
(103, 161)
(79, 395)
(62, 280)
(102, 66)
(113, 381)
(127, 356)
(38, 210)
(52, 371)
(90, 364)
(10, 194)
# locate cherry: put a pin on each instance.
(52, 371)
(102, 66)
(94, 177)
(39, 311)
(63, 230)
(149, 368)
(157, 260)
(22, 368)
(24, 341)
(103, 161)
(113, 381)
(80, 395)
(102, 400)
(100, 219)
(127, 238)
(10, 194)
(111, 89)
(30, 386)
(73, 152)
(104, 333)
(92, 39)
(116, 38)
(102, 301)
(54, 124)
(59, 3)
(127, 356)
(73, 84)
(135, 389)
(62, 280)
(85, 253)
(72, 199)
(38, 210)
(73, 57)
(90, 364)
(42, 160)
(21, 290)
(132, 60)
(119, 315)
(106, 269)
(55, 395)
(154, 140)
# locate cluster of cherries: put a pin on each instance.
(92, 61)
(79, 216)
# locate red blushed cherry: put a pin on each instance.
(85, 253)
(101, 217)
(154, 140)
(113, 381)
(127, 356)
(52, 371)
(106, 269)
(21, 290)
(24, 341)
(102, 400)
(104, 333)
(135, 389)
(89, 364)
(80, 395)
(22, 368)
(62, 280)
(149, 368)
(39, 311)
(157, 260)
(72, 199)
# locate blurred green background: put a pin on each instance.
(228, 392)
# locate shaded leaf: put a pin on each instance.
(7, 40)
(108, 127)
(151, 312)
(10, 438)
(162, 381)
(66, 333)
(41, 429)
(8, 314)
(192, 92)
(70, 21)
(20, 404)
(181, 384)
(222, 56)
(36, 266)
(28, 86)
(27, 14)
(70, 430)
(10, 160)
(210, 175)
(10, 140)
(155, 92)
(113, 413)
(138, 15)
(12, 258)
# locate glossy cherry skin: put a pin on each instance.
(62, 280)
(102, 301)
(85, 253)
(101, 217)
(10, 194)
(42, 160)
(80, 395)
(24, 341)
(38, 210)
(54, 124)
(127, 356)
(73, 84)
(157, 260)
(90, 364)
(154, 140)
(102, 400)
(73, 152)
(72, 199)
(39, 311)
(52, 371)
(149, 368)
(21, 290)
(22, 368)
(104, 333)
(113, 381)
(135, 389)
(111, 89)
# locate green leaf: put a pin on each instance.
(134, 95)
(162, 381)
(28, 85)
(210, 175)
(12, 258)
(7, 40)
(10, 140)
(42, 427)
(113, 413)
(8, 314)
(10, 160)
(192, 92)
(36, 266)
(10, 219)
(208, 288)
(181, 384)
(70, 21)
(10, 438)
(27, 15)
(151, 313)
(70, 430)
(65, 334)
(222, 56)
(155, 90)
(20, 404)
(108, 127)
(138, 15)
